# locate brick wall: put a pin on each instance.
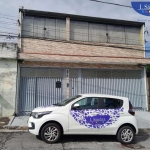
(71, 51)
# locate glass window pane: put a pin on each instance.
(79, 31)
(50, 26)
(116, 34)
(60, 29)
(88, 103)
(132, 35)
(97, 32)
(111, 103)
(27, 26)
(38, 27)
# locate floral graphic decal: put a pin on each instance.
(96, 118)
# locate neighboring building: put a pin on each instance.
(62, 55)
(8, 73)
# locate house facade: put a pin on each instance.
(61, 55)
(8, 75)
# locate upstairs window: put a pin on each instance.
(44, 28)
(79, 31)
(132, 35)
(104, 33)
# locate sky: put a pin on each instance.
(9, 10)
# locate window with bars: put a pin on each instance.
(44, 28)
(80, 31)
(104, 33)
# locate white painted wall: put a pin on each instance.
(8, 73)
(8, 50)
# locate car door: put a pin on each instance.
(111, 110)
(83, 119)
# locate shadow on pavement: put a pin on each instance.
(88, 138)
(143, 135)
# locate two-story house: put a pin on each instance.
(8, 75)
(61, 55)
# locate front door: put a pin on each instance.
(84, 118)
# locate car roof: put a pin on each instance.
(103, 95)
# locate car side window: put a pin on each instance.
(111, 103)
(87, 103)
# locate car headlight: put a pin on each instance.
(38, 115)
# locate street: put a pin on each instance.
(27, 141)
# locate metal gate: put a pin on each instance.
(39, 87)
(126, 83)
(45, 86)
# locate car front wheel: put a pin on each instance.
(51, 133)
(125, 135)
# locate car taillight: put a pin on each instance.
(131, 110)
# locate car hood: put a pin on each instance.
(46, 108)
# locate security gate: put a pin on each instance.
(39, 87)
(126, 83)
(46, 86)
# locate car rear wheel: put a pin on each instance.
(125, 135)
(51, 133)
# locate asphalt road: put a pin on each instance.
(27, 141)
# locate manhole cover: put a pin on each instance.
(134, 146)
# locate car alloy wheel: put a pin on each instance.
(127, 135)
(51, 133)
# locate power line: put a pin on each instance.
(54, 38)
(8, 23)
(41, 29)
(78, 33)
(8, 16)
(111, 3)
(8, 33)
(75, 33)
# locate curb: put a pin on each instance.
(15, 128)
(13, 131)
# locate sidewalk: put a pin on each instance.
(17, 123)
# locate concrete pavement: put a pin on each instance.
(27, 141)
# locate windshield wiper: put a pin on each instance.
(57, 104)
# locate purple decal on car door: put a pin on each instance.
(96, 118)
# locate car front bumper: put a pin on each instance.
(34, 125)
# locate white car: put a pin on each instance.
(94, 114)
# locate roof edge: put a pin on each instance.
(80, 17)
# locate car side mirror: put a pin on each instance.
(75, 106)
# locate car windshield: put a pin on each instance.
(67, 101)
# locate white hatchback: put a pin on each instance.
(85, 114)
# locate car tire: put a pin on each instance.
(125, 135)
(51, 133)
